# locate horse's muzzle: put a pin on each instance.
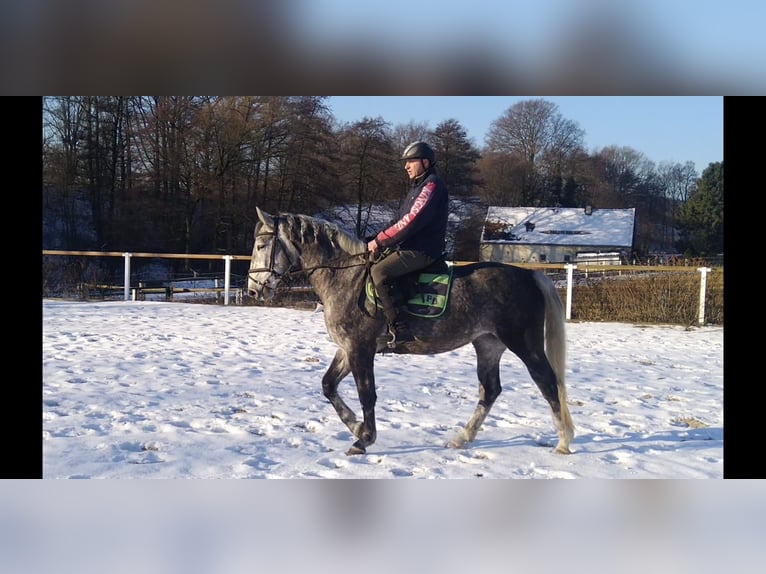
(260, 292)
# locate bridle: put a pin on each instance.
(296, 268)
(292, 270)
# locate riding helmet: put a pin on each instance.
(419, 150)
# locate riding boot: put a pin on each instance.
(398, 331)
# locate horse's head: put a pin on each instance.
(270, 260)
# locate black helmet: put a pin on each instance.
(419, 150)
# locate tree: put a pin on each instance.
(540, 141)
(456, 157)
(700, 219)
(63, 135)
(367, 167)
(313, 183)
(677, 182)
(502, 179)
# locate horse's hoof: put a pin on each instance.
(459, 440)
(456, 443)
(356, 450)
(562, 450)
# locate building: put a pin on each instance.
(557, 235)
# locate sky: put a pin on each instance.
(154, 389)
(339, 46)
(673, 129)
(567, 43)
(700, 34)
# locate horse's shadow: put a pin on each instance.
(474, 447)
(588, 443)
(668, 440)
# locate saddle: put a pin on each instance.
(425, 292)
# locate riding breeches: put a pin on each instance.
(387, 270)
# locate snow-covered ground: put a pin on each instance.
(179, 390)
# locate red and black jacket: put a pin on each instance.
(422, 221)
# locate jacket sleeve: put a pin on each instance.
(417, 216)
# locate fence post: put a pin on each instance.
(126, 291)
(703, 287)
(226, 281)
(570, 269)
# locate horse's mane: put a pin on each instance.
(306, 230)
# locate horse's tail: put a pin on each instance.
(555, 340)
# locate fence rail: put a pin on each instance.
(131, 294)
(585, 269)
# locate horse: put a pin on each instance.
(494, 306)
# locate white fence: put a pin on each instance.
(131, 294)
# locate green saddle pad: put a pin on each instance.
(428, 298)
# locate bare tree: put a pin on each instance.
(368, 167)
(312, 180)
(405, 134)
(677, 183)
(502, 179)
(62, 135)
(534, 133)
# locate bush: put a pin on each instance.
(665, 297)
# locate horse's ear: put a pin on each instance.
(264, 217)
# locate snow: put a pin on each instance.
(182, 390)
(563, 226)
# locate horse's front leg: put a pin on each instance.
(336, 372)
(361, 363)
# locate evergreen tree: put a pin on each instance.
(456, 157)
(700, 220)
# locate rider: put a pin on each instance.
(415, 239)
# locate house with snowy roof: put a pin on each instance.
(557, 235)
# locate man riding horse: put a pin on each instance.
(412, 241)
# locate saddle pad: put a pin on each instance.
(428, 298)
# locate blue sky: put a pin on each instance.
(695, 38)
(663, 128)
(575, 47)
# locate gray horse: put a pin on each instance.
(491, 305)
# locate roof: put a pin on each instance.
(559, 226)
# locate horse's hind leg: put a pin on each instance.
(545, 378)
(488, 353)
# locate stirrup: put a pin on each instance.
(389, 337)
(390, 342)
